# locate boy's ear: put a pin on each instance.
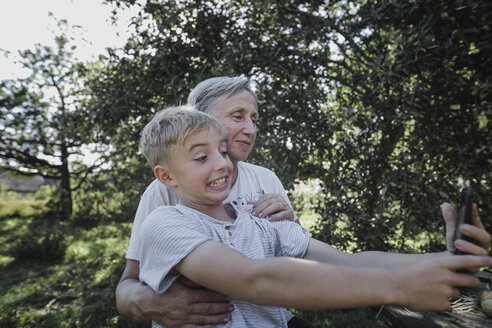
(162, 174)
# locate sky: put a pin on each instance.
(23, 23)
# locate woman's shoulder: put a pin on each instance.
(254, 169)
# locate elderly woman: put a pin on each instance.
(233, 102)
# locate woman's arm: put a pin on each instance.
(301, 283)
(182, 304)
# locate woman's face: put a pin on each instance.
(238, 114)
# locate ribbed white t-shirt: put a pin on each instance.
(170, 233)
(252, 182)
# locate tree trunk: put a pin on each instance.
(66, 191)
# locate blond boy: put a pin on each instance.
(265, 265)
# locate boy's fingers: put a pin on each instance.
(450, 217)
(476, 230)
(481, 236)
(475, 218)
(460, 262)
(455, 293)
(465, 280)
(470, 248)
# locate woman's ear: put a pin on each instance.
(162, 174)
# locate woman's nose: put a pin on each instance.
(249, 127)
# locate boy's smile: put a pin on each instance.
(199, 170)
(218, 182)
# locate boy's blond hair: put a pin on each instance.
(169, 128)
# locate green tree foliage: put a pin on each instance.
(417, 108)
(388, 104)
(44, 120)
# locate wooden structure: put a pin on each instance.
(466, 311)
(403, 318)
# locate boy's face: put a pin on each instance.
(238, 114)
(200, 169)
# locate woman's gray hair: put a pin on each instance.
(206, 93)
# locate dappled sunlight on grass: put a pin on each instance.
(76, 250)
(20, 207)
(6, 260)
(76, 290)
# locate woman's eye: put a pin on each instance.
(201, 158)
(225, 153)
(237, 117)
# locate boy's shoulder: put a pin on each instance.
(169, 211)
(168, 215)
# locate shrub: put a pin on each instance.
(38, 237)
(43, 241)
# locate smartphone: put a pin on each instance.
(464, 215)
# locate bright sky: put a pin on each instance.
(24, 23)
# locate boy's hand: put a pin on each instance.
(272, 206)
(428, 285)
(185, 305)
(475, 230)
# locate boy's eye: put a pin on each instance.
(225, 153)
(201, 158)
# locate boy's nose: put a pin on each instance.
(221, 162)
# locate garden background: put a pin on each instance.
(372, 113)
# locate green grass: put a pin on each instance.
(20, 207)
(77, 289)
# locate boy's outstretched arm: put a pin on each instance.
(321, 252)
(300, 283)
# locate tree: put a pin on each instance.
(352, 93)
(44, 120)
(416, 99)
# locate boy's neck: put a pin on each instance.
(222, 212)
(227, 214)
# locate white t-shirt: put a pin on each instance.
(179, 230)
(252, 182)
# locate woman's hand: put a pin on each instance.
(272, 206)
